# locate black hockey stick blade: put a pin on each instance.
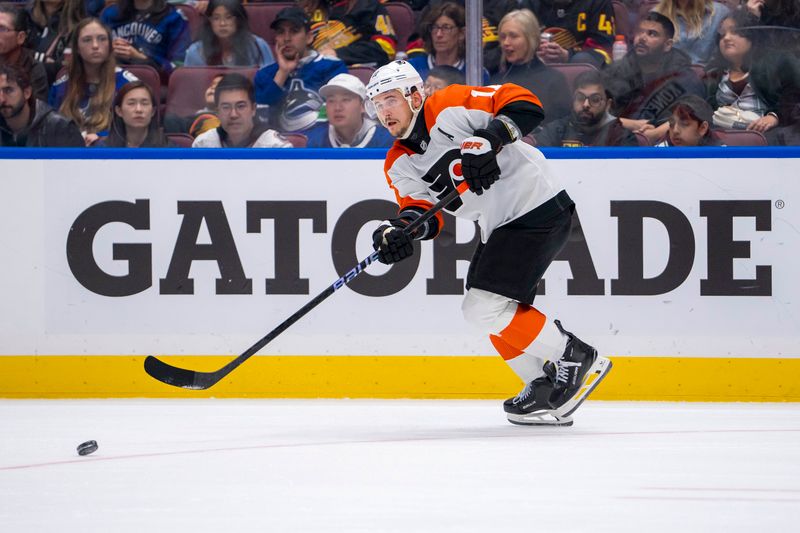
(196, 380)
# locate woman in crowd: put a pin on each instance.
(150, 32)
(696, 23)
(85, 94)
(750, 86)
(519, 34)
(135, 123)
(52, 24)
(444, 37)
(226, 40)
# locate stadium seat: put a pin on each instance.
(298, 140)
(622, 20)
(193, 17)
(740, 138)
(571, 71)
(181, 140)
(187, 87)
(362, 73)
(403, 22)
(261, 16)
(149, 75)
(642, 139)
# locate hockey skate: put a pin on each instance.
(533, 406)
(551, 399)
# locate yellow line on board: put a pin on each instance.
(632, 378)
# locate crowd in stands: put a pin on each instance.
(239, 73)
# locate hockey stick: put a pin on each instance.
(191, 379)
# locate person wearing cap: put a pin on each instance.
(290, 86)
(690, 124)
(348, 126)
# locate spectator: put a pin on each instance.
(355, 31)
(53, 22)
(648, 81)
(236, 107)
(690, 124)
(444, 37)
(787, 135)
(582, 30)
(13, 32)
(348, 124)
(226, 40)
(135, 122)
(26, 121)
(696, 23)
(201, 120)
(86, 93)
(751, 86)
(590, 123)
(290, 85)
(150, 32)
(441, 77)
(778, 14)
(519, 33)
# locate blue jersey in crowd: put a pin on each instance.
(296, 105)
(59, 89)
(372, 135)
(163, 39)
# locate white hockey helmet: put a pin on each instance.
(398, 74)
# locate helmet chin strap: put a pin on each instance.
(414, 116)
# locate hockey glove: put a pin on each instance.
(392, 243)
(479, 160)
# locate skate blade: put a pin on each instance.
(541, 418)
(595, 375)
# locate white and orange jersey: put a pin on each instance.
(451, 115)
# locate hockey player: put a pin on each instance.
(470, 138)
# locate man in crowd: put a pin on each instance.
(290, 85)
(348, 124)
(13, 32)
(590, 123)
(650, 79)
(238, 128)
(25, 121)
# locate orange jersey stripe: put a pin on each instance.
(524, 327)
(491, 99)
(506, 351)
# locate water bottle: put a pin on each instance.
(620, 48)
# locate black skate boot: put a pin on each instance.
(533, 406)
(578, 372)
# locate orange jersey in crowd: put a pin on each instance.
(451, 115)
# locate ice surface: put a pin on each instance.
(395, 466)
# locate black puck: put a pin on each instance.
(90, 446)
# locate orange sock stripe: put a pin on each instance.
(524, 327)
(503, 348)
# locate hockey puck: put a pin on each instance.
(90, 446)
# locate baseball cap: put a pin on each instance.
(347, 82)
(293, 14)
(697, 107)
